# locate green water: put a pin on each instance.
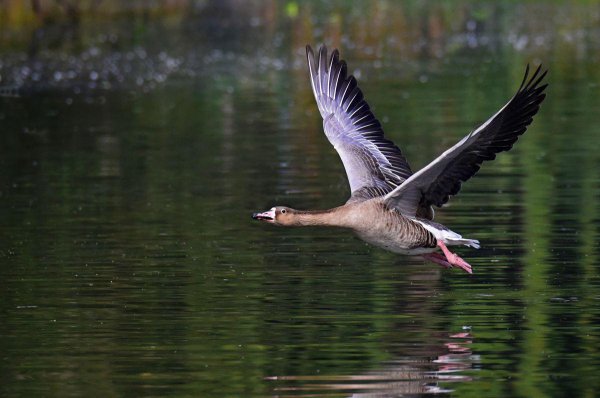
(130, 266)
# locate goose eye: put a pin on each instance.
(283, 211)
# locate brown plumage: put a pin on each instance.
(391, 207)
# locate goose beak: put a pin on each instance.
(268, 215)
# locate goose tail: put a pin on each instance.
(465, 242)
(447, 236)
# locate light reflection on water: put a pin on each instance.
(129, 264)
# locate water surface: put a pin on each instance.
(131, 159)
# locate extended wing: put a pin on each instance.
(441, 178)
(374, 165)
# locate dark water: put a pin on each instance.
(129, 265)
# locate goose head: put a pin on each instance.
(278, 215)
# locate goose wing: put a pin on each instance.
(441, 178)
(374, 165)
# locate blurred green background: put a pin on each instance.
(137, 137)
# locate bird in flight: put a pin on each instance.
(390, 206)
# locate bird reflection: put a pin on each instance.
(420, 374)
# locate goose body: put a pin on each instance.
(390, 206)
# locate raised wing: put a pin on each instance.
(441, 178)
(374, 165)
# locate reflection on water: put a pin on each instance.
(134, 148)
(418, 373)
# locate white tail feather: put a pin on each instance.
(447, 236)
(465, 242)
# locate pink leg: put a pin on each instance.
(454, 259)
(438, 259)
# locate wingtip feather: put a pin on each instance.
(537, 77)
(524, 77)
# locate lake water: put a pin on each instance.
(133, 150)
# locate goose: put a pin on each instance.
(390, 206)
